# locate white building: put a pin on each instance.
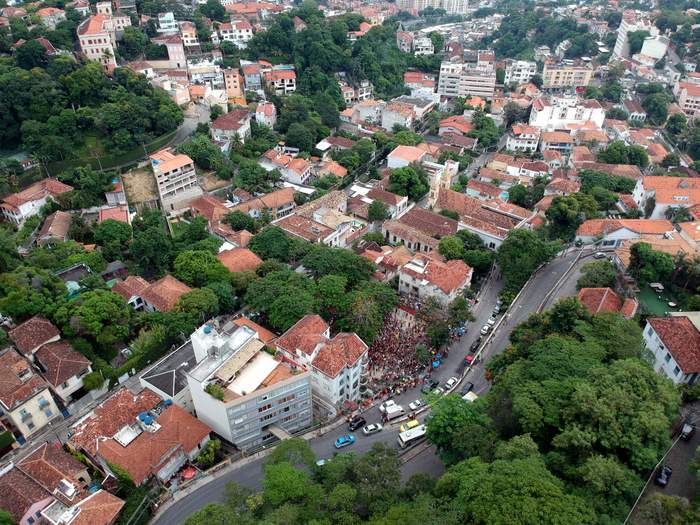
(655, 47)
(429, 276)
(337, 364)
(519, 71)
(266, 114)
(553, 113)
(523, 138)
(423, 45)
(675, 345)
(241, 391)
(17, 207)
(283, 81)
(97, 40)
(666, 192)
(238, 31)
(631, 21)
(453, 7)
(459, 79)
(176, 179)
(167, 23)
(231, 125)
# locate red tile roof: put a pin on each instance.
(131, 287)
(239, 260)
(179, 432)
(304, 335)
(597, 300)
(429, 223)
(33, 333)
(596, 227)
(19, 492)
(48, 465)
(100, 508)
(115, 213)
(56, 225)
(446, 275)
(232, 121)
(119, 410)
(35, 192)
(165, 293)
(15, 390)
(682, 340)
(265, 335)
(61, 362)
(345, 349)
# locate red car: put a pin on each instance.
(469, 359)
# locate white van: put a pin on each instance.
(470, 396)
(394, 411)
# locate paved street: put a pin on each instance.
(195, 114)
(427, 462)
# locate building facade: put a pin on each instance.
(459, 79)
(176, 179)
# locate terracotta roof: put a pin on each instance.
(166, 160)
(484, 188)
(36, 192)
(61, 362)
(409, 233)
(682, 340)
(691, 229)
(265, 335)
(272, 200)
(345, 349)
(33, 333)
(115, 213)
(304, 335)
(628, 201)
(621, 170)
(407, 153)
(446, 275)
(15, 390)
(387, 197)
(458, 122)
(100, 508)
(429, 223)
(110, 416)
(595, 227)
(266, 108)
(668, 189)
(598, 300)
(132, 286)
(19, 492)
(564, 186)
(209, 206)
(280, 74)
(304, 227)
(629, 308)
(556, 137)
(165, 293)
(522, 129)
(93, 25)
(544, 203)
(333, 168)
(146, 455)
(56, 225)
(47, 465)
(232, 121)
(239, 260)
(340, 142)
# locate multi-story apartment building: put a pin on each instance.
(25, 397)
(566, 74)
(241, 391)
(675, 345)
(688, 95)
(337, 364)
(429, 276)
(206, 72)
(453, 7)
(631, 21)
(231, 125)
(96, 40)
(188, 31)
(282, 81)
(523, 138)
(238, 31)
(176, 179)
(552, 113)
(423, 45)
(167, 23)
(519, 71)
(233, 80)
(459, 79)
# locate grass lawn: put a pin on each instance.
(653, 303)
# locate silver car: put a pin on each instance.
(372, 428)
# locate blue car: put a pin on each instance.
(344, 441)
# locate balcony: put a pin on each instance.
(26, 416)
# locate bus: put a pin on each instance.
(411, 436)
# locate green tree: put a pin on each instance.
(298, 136)
(656, 106)
(377, 211)
(213, 10)
(636, 40)
(207, 456)
(201, 303)
(521, 253)
(239, 220)
(294, 451)
(324, 260)
(451, 247)
(648, 265)
(113, 236)
(31, 54)
(100, 314)
(597, 274)
(199, 268)
(408, 181)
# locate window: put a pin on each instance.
(30, 425)
(676, 371)
(265, 407)
(650, 330)
(667, 358)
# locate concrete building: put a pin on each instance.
(336, 364)
(98, 41)
(282, 81)
(397, 114)
(243, 393)
(429, 276)
(666, 192)
(613, 232)
(519, 71)
(296, 170)
(266, 114)
(176, 179)
(566, 74)
(460, 79)
(167, 23)
(675, 345)
(25, 398)
(688, 95)
(655, 47)
(453, 7)
(233, 81)
(231, 126)
(631, 21)
(523, 138)
(18, 207)
(238, 31)
(558, 113)
(423, 45)
(51, 16)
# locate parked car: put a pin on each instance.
(664, 476)
(372, 428)
(599, 255)
(687, 431)
(415, 405)
(499, 302)
(468, 387)
(451, 382)
(439, 391)
(475, 346)
(344, 441)
(321, 462)
(356, 423)
(413, 423)
(468, 360)
(496, 309)
(428, 386)
(386, 404)
(485, 329)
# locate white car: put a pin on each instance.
(439, 391)
(485, 329)
(451, 382)
(372, 428)
(415, 405)
(386, 404)
(491, 321)
(599, 255)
